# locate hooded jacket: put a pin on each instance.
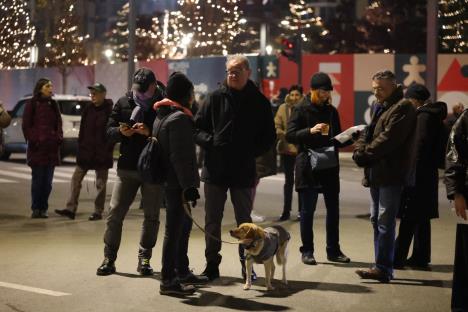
(421, 201)
(281, 124)
(177, 144)
(234, 127)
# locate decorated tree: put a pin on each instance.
(453, 26)
(203, 27)
(66, 47)
(393, 26)
(302, 21)
(148, 44)
(16, 34)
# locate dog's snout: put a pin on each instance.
(231, 231)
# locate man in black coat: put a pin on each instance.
(456, 181)
(420, 201)
(131, 123)
(234, 126)
(94, 152)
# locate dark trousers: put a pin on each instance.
(460, 271)
(215, 198)
(308, 201)
(41, 186)
(421, 231)
(288, 162)
(176, 238)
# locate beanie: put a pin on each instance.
(321, 81)
(418, 92)
(179, 88)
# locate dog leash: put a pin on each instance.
(188, 212)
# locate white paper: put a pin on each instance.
(347, 134)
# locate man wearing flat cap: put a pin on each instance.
(94, 152)
(131, 123)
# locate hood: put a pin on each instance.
(289, 103)
(167, 103)
(438, 108)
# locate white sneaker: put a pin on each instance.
(256, 218)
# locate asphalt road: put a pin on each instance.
(50, 264)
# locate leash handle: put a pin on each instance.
(189, 214)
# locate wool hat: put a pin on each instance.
(179, 88)
(142, 79)
(321, 81)
(98, 87)
(418, 92)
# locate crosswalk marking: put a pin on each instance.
(65, 175)
(23, 176)
(7, 181)
(36, 290)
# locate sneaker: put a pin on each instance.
(338, 257)
(256, 218)
(43, 214)
(192, 279)
(36, 214)
(107, 267)
(374, 274)
(308, 258)
(176, 288)
(65, 213)
(211, 272)
(144, 267)
(95, 216)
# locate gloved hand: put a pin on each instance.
(191, 195)
(360, 158)
(355, 136)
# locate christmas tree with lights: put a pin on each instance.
(203, 27)
(453, 26)
(301, 21)
(148, 44)
(393, 26)
(16, 34)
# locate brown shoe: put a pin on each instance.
(374, 274)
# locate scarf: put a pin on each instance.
(168, 102)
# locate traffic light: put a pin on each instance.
(291, 48)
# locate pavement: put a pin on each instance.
(50, 264)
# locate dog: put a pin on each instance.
(261, 245)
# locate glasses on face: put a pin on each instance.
(234, 72)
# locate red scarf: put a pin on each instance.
(167, 102)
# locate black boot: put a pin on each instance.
(175, 288)
(144, 267)
(211, 271)
(107, 267)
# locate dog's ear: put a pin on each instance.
(259, 233)
(246, 241)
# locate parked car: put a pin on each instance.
(71, 107)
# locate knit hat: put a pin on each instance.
(179, 88)
(418, 92)
(142, 79)
(321, 81)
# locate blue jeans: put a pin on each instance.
(41, 186)
(384, 208)
(308, 202)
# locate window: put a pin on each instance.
(72, 107)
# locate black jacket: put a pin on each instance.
(178, 148)
(94, 149)
(456, 163)
(306, 115)
(234, 127)
(131, 147)
(421, 201)
(387, 152)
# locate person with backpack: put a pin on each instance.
(42, 129)
(94, 152)
(173, 130)
(130, 123)
(420, 200)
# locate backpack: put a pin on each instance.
(150, 163)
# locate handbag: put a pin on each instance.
(322, 158)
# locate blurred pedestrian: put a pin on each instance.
(420, 201)
(42, 129)
(94, 152)
(287, 151)
(5, 118)
(456, 180)
(457, 110)
(384, 151)
(312, 125)
(175, 136)
(130, 123)
(234, 126)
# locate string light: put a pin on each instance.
(16, 34)
(453, 17)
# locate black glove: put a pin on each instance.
(355, 136)
(360, 158)
(191, 195)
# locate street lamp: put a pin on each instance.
(33, 55)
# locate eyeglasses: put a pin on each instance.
(234, 72)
